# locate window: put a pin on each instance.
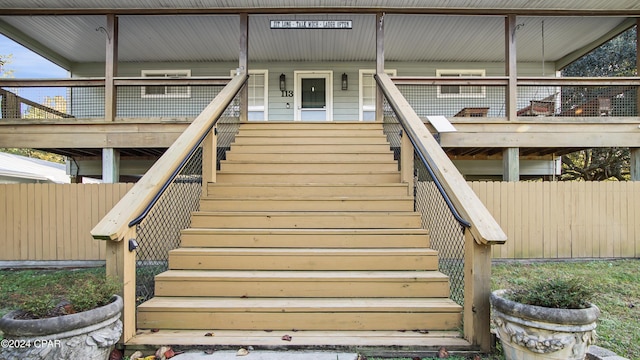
(162, 91)
(368, 94)
(258, 89)
(458, 90)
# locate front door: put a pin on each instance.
(313, 102)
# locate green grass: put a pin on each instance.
(616, 284)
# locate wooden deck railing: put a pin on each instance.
(483, 231)
(117, 228)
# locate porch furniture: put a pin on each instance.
(542, 107)
(473, 112)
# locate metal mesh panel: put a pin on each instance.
(159, 232)
(428, 100)
(164, 101)
(52, 102)
(445, 232)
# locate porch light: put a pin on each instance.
(283, 82)
(345, 82)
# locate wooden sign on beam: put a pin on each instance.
(312, 24)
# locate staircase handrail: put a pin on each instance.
(137, 202)
(483, 227)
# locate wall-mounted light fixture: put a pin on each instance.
(345, 82)
(283, 82)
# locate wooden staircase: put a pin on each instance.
(307, 229)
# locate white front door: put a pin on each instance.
(314, 95)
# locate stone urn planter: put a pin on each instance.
(529, 332)
(90, 334)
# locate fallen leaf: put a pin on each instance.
(160, 353)
(155, 330)
(477, 357)
(286, 338)
(242, 352)
(136, 355)
(443, 353)
(209, 351)
(115, 355)
(208, 334)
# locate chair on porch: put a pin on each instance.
(542, 107)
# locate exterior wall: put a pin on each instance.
(543, 220)
(345, 102)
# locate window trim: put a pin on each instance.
(165, 73)
(265, 107)
(361, 73)
(462, 72)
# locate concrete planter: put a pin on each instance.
(530, 332)
(86, 335)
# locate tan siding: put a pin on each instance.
(52, 221)
(554, 220)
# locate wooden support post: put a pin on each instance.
(111, 68)
(635, 164)
(511, 67)
(110, 166)
(406, 163)
(477, 288)
(209, 160)
(511, 164)
(244, 65)
(11, 107)
(121, 265)
(379, 63)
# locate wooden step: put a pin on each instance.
(308, 140)
(403, 203)
(299, 314)
(303, 284)
(227, 190)
(355, 177)
(320, 132)
(302, 259)
(382, 156)
(289, 167)
(309, 126)
(310, 148)
(381, 342)
(305, 238)
(306, 220)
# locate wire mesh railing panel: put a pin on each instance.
(455, 101)
(52, 102)
(164, 101)
(160, 230)
(445, 232)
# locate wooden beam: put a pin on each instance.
(121, 265)
(406, 163)
(577, 54)
(539, 140)
(635, 164)
(477, 288)
(379, 63)
(209, 160)
(511, 67)
(511, 164)
(243, 64)
(111, 67)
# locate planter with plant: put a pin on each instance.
(553, 319)
(84, 325)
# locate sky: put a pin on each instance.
(27, 64)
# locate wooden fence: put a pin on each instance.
(51, 222)
(555, 220)
(543, 220)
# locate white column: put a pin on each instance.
(511, 164)
(110, 165)
(635, 164)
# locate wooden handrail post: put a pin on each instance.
(111, 67)
(477, 288)
(406, 163)
(511, 66)
(209, 160)
(243, 64)
(379, 64)
(121, 265)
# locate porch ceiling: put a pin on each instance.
(70, 39)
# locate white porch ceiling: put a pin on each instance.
(209, 38)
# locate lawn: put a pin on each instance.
(616, 285)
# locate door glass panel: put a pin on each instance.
(313, 93)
